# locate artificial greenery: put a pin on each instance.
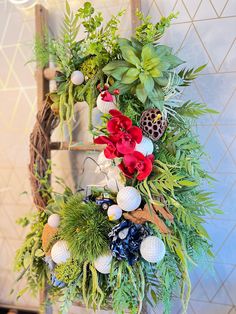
(178, 176)
(143, 70)
(28, 259)
(128, 286)
(68, 271)
(84, 226)
(145, 75)
(89, 56)
(147, 32)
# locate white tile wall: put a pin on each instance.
(205, 33)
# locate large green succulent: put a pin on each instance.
(144, 69)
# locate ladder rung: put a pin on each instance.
(76, 146)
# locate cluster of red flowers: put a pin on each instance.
(121, 142)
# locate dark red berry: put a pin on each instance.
(116, 91)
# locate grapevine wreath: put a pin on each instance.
(132, 242)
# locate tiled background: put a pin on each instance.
(203, 33)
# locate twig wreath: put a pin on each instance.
(136, 239)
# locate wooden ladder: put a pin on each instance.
(43, 76)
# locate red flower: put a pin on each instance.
(118, 123)
(110, 151)
(137, 162)
(127, 140)
(123, 136)
(126, 144)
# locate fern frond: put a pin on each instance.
(70, 27)
(188, 75)
(41, 50)
(194, 110)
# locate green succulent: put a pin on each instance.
(144, 69)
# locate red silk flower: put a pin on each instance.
(123, 136)
(110, 151)
(118, 123)
(137, 163)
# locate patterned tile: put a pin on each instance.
(219, 230)
(210, 308)
(192, 6)
(229, 9)
(219, 5)
(226, 253)
(165, 7)
(183, 13)
(149, 7)
(199, 293)
(230, 286)
(222, 297)
(190, 45)
(205, 11)
(223, 271)
(226, 198)
(15, 20)
(228, 115)
(217, 89)
(216, 43)
(232, 311)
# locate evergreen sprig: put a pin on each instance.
(85, 228)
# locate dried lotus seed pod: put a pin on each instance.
(153, 124)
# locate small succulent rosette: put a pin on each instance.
(125, 241)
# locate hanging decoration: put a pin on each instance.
(106, 102)
(133, 240)
(128, 198)
(60, 252)
(152, 249)
(103, 264)
(114, 212)
(126, 239)
(54, 220)
(145, 147)
(77, 78)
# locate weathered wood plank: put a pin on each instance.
(83, 147)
